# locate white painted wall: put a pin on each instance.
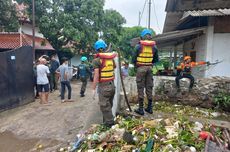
(27, 29)
(117, 83)
(220, 51)
(76, 60)
(211, 47)
(201, 49)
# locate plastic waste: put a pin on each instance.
(198, 126)
(204, 135)
(171, 130)
(149, 146)
(77, 143)
(192, 149)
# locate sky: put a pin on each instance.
(129, 9)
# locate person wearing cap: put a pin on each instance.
(185, 69)
(104, 66)
(144, 57)
(125, 69)
(63, 71)
(83, 73)
(42, 80)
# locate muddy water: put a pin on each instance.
(11, 143)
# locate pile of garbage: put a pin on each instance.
(187, 110)
(176, 134)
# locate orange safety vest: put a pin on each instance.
(106, 70)
(146, 54)
(188, 66)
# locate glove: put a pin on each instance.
(94, 94)
(208, 63)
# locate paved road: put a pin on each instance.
(34, 124)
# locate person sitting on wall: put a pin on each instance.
(185, 69)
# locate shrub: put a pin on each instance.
(222, 100)
(132, 71)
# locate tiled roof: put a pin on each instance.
(15, 40)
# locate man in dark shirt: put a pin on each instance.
(54, 64)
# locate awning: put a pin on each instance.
(177, 37)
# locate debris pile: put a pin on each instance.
(159, 135)
(187, 110)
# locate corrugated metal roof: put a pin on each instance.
(170, 38)
(191, 5)
(219, 12)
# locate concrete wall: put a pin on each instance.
(220, 51)
(76, 60)
(27, 29)
(165, 89)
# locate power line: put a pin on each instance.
(143, 10)
(154, 9)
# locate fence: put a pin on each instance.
(16, 77)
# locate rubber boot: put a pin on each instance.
(149, 109)
(82, 94)
(140, 110)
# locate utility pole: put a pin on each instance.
(139, 19)
(149, 14)
(33, 28)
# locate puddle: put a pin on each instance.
(11, 143)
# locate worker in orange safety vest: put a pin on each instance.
(185, 69)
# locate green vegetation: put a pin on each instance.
(222, 101)
(167, 135)
(132, 72)
(177, 109)
(8, 18)
(73, 25)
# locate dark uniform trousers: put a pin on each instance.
(106, 94)
(84, 84)
(144, 80)
(185, 75)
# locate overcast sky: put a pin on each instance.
(130, 8)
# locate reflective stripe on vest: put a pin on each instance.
(146, 54)
(107, 68)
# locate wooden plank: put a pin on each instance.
(222, 24)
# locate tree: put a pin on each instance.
(112, 26)
(127, 34)
(72, 25)
(124, 43)
(8, 16)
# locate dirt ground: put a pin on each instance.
(25, 128)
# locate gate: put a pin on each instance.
(16, 77)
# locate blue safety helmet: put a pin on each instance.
(145, 32)
(83, 58)
(100, 44)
